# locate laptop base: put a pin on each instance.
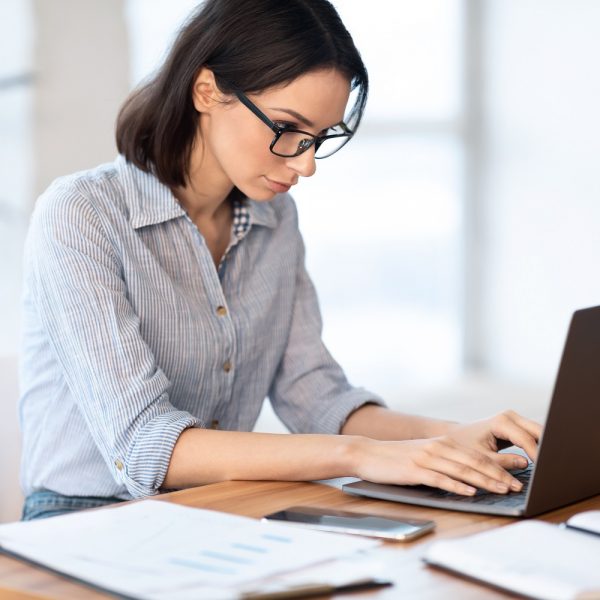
(419, 495)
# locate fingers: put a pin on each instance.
(458, 466)
(520, 431)
(471, 467)
(443, 482)
(509, 461)
(533, 428)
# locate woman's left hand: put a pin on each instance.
(508, 425)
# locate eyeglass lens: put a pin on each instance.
(292, 143)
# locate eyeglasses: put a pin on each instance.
(289, 141)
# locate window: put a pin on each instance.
(384, 243)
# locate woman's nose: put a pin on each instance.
(304, 164)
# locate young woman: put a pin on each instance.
(166, 294)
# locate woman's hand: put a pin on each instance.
(463, 459)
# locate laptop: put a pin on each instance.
(568, 465)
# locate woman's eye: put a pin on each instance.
(284, 125)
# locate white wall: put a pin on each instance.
(82, 66)
(81, 75)
(16, 99)
(542, 179)
(10, 442)
(16, 66)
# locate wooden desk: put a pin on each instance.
(255, 499)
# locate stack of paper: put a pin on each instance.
(156, 550)
(532, 558)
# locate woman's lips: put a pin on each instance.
(277, 187)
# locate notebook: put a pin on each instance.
(567, 467)
(533, 558)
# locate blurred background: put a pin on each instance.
(449, 242)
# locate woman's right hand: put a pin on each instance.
(443, 462)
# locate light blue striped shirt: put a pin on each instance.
(131, 334)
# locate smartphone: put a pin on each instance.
(354, 523)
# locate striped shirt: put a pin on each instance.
(131, 334)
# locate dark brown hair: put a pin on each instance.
(250, 45)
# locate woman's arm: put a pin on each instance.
(206, 455)
(458, 461)
(82, 320)
(380, 423)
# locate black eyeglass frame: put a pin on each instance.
(316, 140)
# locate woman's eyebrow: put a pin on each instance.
(296, 115)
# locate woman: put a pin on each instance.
(166, 294)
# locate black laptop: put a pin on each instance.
(568, 465)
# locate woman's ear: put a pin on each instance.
(206, 93)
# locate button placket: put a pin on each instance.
(216, 295)
(229, 334)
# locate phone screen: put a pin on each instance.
(354, 523)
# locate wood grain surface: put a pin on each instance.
(402, 561)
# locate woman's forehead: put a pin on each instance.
(320, 96)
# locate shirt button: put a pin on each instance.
(227, 366)
(119, 464)
(221, 311)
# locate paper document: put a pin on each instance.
(154, 549)
(586, 521)
(338, 482)
(533, 558)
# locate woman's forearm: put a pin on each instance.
(455, 458)
(206, 456)
(381, 423)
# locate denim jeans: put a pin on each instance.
(45, 503)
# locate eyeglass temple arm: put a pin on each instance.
(259, 113)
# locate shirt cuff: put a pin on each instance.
(145, 467)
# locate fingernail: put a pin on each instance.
(470, 490)
(501, 488)
(516, 486)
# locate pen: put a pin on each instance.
(566, 525)
(316, 589)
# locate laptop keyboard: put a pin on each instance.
(487, 498)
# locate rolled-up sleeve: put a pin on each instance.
(310, 392)
(95, 337)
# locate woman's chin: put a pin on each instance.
(260, 193)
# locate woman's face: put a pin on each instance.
(236, 142)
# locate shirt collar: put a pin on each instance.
(261, 213)
(151, 202)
